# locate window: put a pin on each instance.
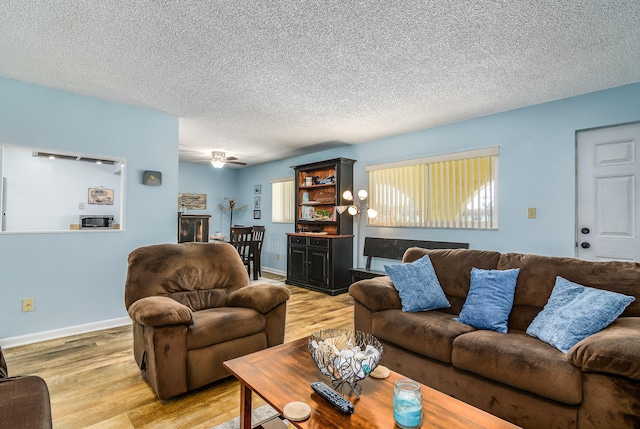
(448, 191)
(282, 203)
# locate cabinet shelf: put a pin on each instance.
(324, 185)
(318, 204)
(328, 222)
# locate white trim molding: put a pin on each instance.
(62, 332)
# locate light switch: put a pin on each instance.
(531, 213)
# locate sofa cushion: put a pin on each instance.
(427, 333)
(519, 361)
(614, 350)
(574, 312)
(538, 276)
(417, 285)
(490, 299)
(453, 268)
(217, 325)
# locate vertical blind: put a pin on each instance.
(282, 200)
(448, 191)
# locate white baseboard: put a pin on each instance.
(62, 332)
(274, 271)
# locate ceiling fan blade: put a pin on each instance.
(236, 162)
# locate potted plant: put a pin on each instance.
(322, 214)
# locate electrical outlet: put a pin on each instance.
(81, 206)
(531, 213)
(28, 304)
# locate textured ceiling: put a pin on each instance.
(265, 80)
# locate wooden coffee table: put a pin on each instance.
(283, 374)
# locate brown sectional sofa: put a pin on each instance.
(514, 376)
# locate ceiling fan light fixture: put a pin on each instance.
(218, 159)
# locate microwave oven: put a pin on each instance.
(96, 222)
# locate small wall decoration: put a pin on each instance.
(257, 189)
(152, 178)
(256, 202)
(192, 201)
(101, 196)
(256, 214)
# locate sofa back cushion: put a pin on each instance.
(538, 276)
(198, 275)
(453, 268)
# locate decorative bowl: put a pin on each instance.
(346, 356)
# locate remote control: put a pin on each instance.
(333, 397)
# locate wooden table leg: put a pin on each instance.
(245, 406)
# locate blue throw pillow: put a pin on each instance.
(574, 312)
(490, 299)
(417, 285)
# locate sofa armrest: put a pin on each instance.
(24, 403)
(376, 294)
(4, 373)
(260, 297)
(614, 350)
(160, 311)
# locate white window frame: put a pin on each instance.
(283, 201)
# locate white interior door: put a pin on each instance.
(608, 207)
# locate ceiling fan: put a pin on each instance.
(219, 159)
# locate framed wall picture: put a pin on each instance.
(256, 214)
(100, 196)
(257, 189)
(192, 201)
(256, 202)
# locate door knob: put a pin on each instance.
(585, 230)
(585, 245)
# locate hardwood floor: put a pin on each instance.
(94, 381)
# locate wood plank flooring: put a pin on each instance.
(94, 381)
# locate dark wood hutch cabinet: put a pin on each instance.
(193, 228)
(320, 250)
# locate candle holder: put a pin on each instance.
(407, 404)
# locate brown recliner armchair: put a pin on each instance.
(193, 308)
(24, 400)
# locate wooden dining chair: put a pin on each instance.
(258, 238)
(241, 239)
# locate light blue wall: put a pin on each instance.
(537, 169)
(77, 277)
(217, 184)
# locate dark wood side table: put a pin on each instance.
(193, 228)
